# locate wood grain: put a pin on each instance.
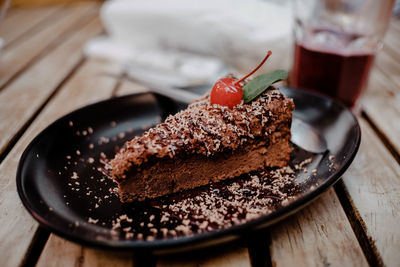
(105, 258)
(53, 255)
(373, 185)
(395, 23)
(44, 47)
(34, 3)
(392, 38)
(319, 235)
(17, 226)
(60, 252)
(382, 105)
(128, 87)
(388, 62)
(382, 99)
(231, 257)
(21, 22)
(22, 98)
(15, 58)
(83, 255)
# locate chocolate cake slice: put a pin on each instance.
(205, 143)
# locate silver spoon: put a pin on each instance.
(303, 135)
(306, 137)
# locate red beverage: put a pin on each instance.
(340, 76)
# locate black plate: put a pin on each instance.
(62, 206)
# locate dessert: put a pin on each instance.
(207, 142)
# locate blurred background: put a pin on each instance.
(24, 3)
(180, 43)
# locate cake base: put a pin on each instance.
(173, 175)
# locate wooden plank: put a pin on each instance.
(389, 64)
(15, 58)
(25, 3)
(22, 98)
(373, 185)
(95, 257)
(22, 21)
(232, 257)
(60, 252)
(382, 99)
(319, 235)
(52, 255)
(382, 105)
(388, 59)
(77, 253)
(392, 38)
(395, 23)
(128, 87)
(17, 226)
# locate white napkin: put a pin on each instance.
(178, 42)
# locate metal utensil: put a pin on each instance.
(306, 137)
(182, 94)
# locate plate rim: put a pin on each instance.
(170, 243)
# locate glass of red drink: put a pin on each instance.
(335, 45)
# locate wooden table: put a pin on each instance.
(44, 75)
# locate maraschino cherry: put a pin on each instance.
(228, 91)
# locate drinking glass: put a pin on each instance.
(335, 45)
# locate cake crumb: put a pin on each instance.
(218, 206)
(164, 231)
(332, 162)
(93, 221)
(150, 238)
(103, 140)
(129, 235)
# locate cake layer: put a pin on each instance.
(173, 175)
(205, 143)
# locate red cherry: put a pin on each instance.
(228, 91)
